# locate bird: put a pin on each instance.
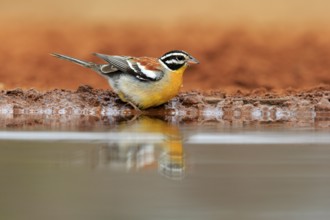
(143, 82)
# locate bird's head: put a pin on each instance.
(176, 59)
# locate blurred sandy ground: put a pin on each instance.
(262, 12)
(241, 44)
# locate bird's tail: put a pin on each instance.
(77, 61)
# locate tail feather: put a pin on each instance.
(76, 61)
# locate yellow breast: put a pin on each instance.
(150, 94)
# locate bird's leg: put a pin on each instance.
(135, 107)
(136, 112)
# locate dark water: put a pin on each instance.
(151, 169)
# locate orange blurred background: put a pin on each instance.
(241, 44)
(207, 11)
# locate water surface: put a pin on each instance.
(153, 169)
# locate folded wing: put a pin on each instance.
(144, 68)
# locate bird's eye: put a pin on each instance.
(180, 58)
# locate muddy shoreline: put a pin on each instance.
(23, 107)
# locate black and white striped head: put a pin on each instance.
(175, 59)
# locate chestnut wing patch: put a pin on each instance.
(143, 68)
(146, 68)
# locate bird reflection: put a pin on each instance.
(151, 144)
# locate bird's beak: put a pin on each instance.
(192, 60)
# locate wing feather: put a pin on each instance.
(119, 62)
(144, 68)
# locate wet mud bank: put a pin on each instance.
(88, 107)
